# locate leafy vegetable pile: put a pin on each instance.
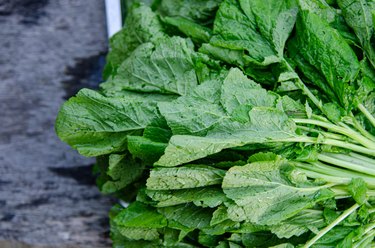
(236, 123)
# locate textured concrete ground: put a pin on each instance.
(48, 50)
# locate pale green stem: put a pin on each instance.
(332, 142)
(361, 157)
(347, 132)
(333, 174)
(346, 164)
(370, 163)
(325, 134)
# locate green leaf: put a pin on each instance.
(263, 195)
(358, 16)
(358, 189)
(274, 20)
(140, 215)
(219, 215)
(309, 73)
(96, 125)
(201, 197)
(165, 67)
(141, 26)
(186, 177)
(325, 49)
(306, 220)
(191, 29)
(145, 149)
(334, 236)
(139, 222)
(233, 57)
(158, 131)
(195, 10)
(139, 233)
(123, 171)
(258, 29)
(188, 215)
(286, 245)
(196, 113)
(264, 125)
(237, 90)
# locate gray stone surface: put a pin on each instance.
(48, 49)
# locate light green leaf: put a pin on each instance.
(358, 189)
(185, 177)
(219, 215)
(139, 233)
(165, 67)
(263, 195)
(259, 30)
(196, 113)
(191, 29)
(237, 90)
(188, 215)
(306, 220)
(201, 197)
(274, 19)
(141, 25)
(196, 10)
(264, 125)
(96, 125)
(233, 57)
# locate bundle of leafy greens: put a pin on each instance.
(235, 123)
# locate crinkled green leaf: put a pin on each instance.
(358, 16)
(324, 48)
(201, 197)
(259, 30)
(237, 90)
(196, 113)
(96, 125)
(263, 195)
(196, 10)
(234, 57)
(139, 233)
(141, 26)
(308, 71)
(264, 125)
(165, 67)
(188, 215)
(274, 20)
(184, 177)
(331, 15)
